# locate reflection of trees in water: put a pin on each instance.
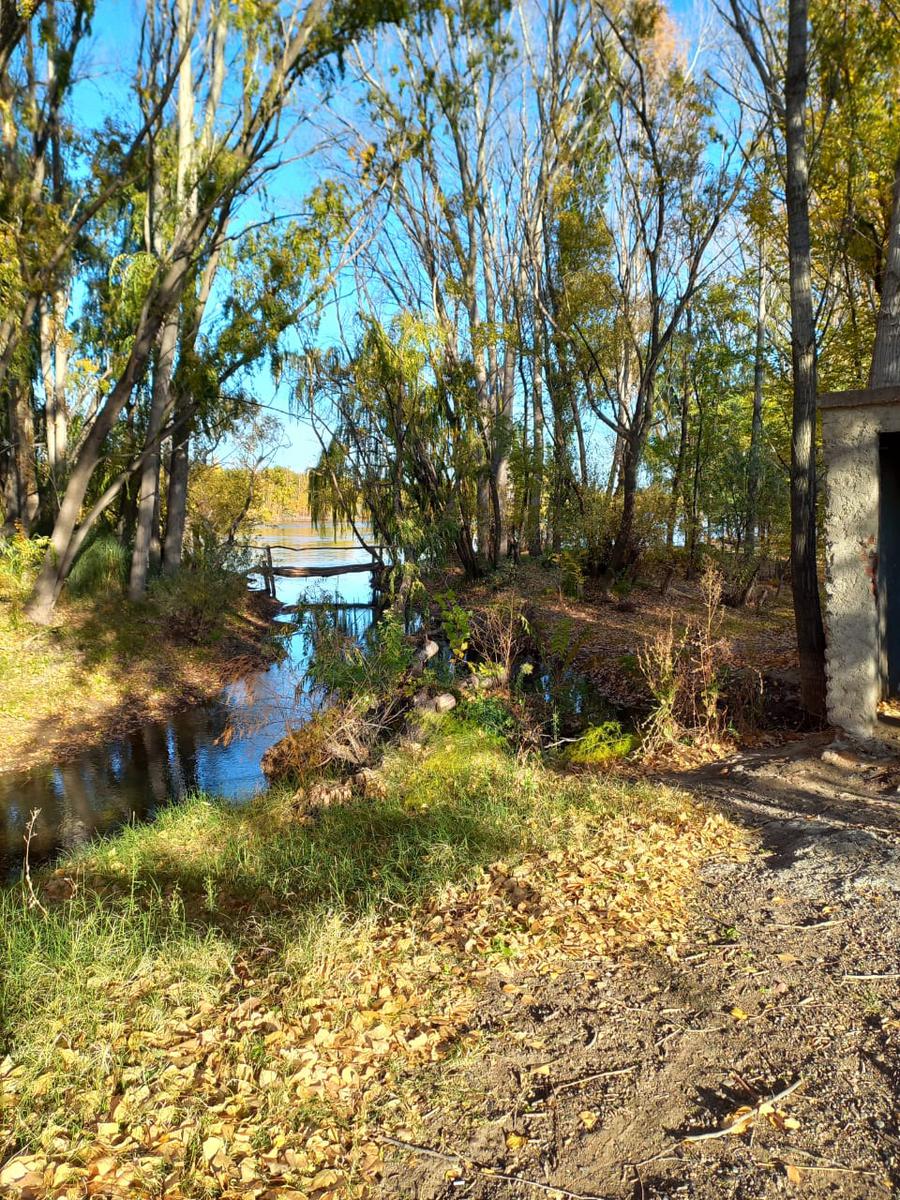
(78, 817)
(109, 786)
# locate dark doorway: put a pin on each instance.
(889, 562)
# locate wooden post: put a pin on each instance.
(270, 573)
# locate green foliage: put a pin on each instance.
(20, 561)
(349, 671)
(218, 495)
(101, 569)
(490, 713)
(571, 575)
(601, 744)
(456, 622)
(194, 600)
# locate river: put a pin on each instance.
(215, 748)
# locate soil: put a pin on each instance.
(600, 635)
(166, 676)
(594, 1083)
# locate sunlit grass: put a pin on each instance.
(183, 919)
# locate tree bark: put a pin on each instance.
(23, 502)
(177, 495)
(804, 570)
(148, 496)
(756, 426)
(886, 352)
(536, 483)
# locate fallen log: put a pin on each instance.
(322, 572)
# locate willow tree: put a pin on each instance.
(398, 448)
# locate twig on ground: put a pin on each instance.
(888, 975)
(570, 1083)
(728, 1131)
(33, 901)
(491, 1172)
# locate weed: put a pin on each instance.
(601, 744)
(684, 672)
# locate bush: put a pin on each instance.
(602, 744)
(193, 602)
(20, 561)
(683, 672)
(491, 714)
(101, 569)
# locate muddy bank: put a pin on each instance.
(99, 675)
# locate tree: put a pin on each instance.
(669, 185)
(277, 49)
(785, 89)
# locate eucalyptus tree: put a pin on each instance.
(471, 114)
(656, 226)
(271, 50)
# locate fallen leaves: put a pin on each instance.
(744, 1118)
(283, 1085)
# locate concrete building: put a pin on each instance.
(861, 435)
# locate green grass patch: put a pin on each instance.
(260, 954)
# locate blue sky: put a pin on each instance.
(106, 87)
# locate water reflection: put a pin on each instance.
(216, 747)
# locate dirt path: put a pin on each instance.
(593, 1083)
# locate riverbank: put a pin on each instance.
(255, 1001)
(107, 666)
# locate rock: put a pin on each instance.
(484, 682)
(423, 656)
(444, 702)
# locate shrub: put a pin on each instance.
(456, 622)
(20, 560)
(571, 575)
(684, 671)
(193, 602)
(602, 744)
(500, 631)
(101, 569)
(350, 671)
(491, 714)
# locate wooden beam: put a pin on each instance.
(324, 572)
(860, 398)
(322, 605)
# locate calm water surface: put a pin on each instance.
(215, 747)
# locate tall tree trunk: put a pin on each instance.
(756, 426)
(148, 496)
(886, 353)
(54, 370)
(536, 488)
(24, 501)
(560, 469)
(623, 550)
(177, 494)
(681, 461)
(804, 572)
(580, 442)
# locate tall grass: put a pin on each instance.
(101, 570)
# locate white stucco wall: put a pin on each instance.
(850, 437)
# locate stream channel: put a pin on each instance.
(215, 748)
